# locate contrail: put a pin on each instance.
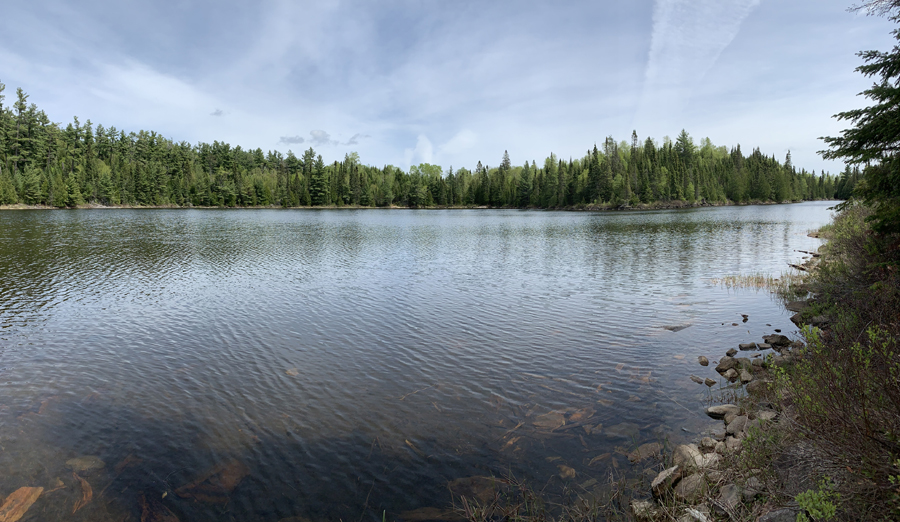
(688, 37)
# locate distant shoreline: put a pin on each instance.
(662, 205)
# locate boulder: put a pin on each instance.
(707, 443)
(729, 498)
(731, 352)
(730, 417)
(752, 489)
(719, 412)
(747, 346)
(664, 481)
(720, 448)
(709, 382)
(687, 457)
(797, 319)
(731, 375)
(710, 461)
(742, 363)
(734, 445)
(645, 451)
(757, 385)
(691, 488)
(780, 515)
(703, 361)
(644, 510)
(738, 427)
(745, 376)
(796, 306)
(777, 340)
(820, 321)
(725, 364)
(764, 346)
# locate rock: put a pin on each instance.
(695, 514)
(725, 364)
(477, 487)
(747, 346)
(766, 415)
(644, 510)
(797, 319)
(730, 417)
(758, 364)
(737, 428)
(729, 498)
(18, 502)
(734, 445)
(719, 412)
(745, 376)
(720, 448)
(625, 430)
(710, 461)
(687, 457)
(709, 382)
(85, 463)
(731, 375)
(696, 379)
(550, 421)
(691, 488)
(757, 385)
(708, 443)
(780, 515)
(782, 360)
(796, 306)
(664, 481)
(777, 340)
(742, 363)
(752, 489)
(764, 346)
(645, 451)
(216, 484)
(703, 361)
(731, 352)
(424, 514)
(820, 321)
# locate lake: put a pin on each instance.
(350, 364)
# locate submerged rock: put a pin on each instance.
(645, 451)
(625, 430)
(85, 463)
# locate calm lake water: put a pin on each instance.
(268, 364)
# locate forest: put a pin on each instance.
(46, 163)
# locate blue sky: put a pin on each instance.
(451, 83)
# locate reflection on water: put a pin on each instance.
(267, 364)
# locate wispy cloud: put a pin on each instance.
(291, 140)
(688, 37)
(217, 112)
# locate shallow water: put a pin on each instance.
(340, 364)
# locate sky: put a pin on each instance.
(447, 82)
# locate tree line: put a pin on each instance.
(44, 163)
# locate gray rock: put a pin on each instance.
(731, 375)
(710, 461)
(708, 443)
(752, 489)
(766, 415)
(764, 346)
(644, 510)
(758, 385)
(720, 448)
(737, 428)
(729, 498)
(719, 412)
(703, 361)
(734, 445)
(709, 382)
(725, 364)
(798, 320)
(758, 364)
(796, 306)
(691, 488)
(664, 481)
(696, 514)
(780, 515)
(730, 417)
(747, 346)
(742, 363)
(645, 451)
(731, 352)
(777, 340)
(745, 376)
(625, 430)
(820, 321)
(85, 463)
(696, 379)
(687, 457)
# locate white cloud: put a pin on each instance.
(423, 153)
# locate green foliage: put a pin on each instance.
(108, 166)
(818, 503)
